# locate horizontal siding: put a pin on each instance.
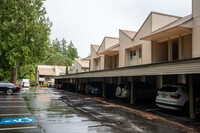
(191, 66)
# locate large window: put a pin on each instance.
(133, 54)
(140, 52)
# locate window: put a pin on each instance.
(133, 54)
(97, 62)
(76, 70)
(140, 52)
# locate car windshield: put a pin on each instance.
(169, 88)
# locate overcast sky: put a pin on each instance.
(86, 22)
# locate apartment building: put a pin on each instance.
(79, 65)
(165, 50)
(45, 73)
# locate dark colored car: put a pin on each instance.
(81, 88)
(9, 88)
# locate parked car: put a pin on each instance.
(174, 97)
(142, 91)
(88, 89)
(9, 88)
(51, 84)
(81, 88)
(96, 91)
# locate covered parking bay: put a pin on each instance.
(182, 71)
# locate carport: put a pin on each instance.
(181, 71)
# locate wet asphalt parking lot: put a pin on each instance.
(48, 110)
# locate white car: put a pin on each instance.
(174, 97)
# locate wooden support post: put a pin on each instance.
(132, 93)
(191, 98)
(68, 84)
(76, 85)
(142, 78)
(180, 48)
(182, 78)
(104, 88)
(119, 81)
(169, 50)
(159, 81)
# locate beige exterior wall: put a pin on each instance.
(161, 51)
(159, 20)
(109, 42)
(145, 30)
(111, 61)
(196, 28)
(77, 67)
(125, 42)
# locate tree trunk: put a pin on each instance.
(14, 74)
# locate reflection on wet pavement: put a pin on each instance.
(52, 115)
(58, 111)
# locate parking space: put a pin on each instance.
(15, 115)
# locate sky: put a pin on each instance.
(86, 22)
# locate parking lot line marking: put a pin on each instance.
(15, 128)
(15, 114)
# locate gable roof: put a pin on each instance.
(83, 63)
(95, 47)
(175, 27)
(47, 71)
(174, 24)
(107, 43)
(50, 70)
(128, 33)
(150, 16)
(62, 68)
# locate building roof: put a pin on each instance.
(51, 70)
(174, 24)
(177, 27)
(128, 33)
(95, 47)
(46, 71)
(83, 63)
(62, 68)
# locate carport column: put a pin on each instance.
(169, 50)
(142, 78)
(103, 88)
(182, 78)
(179, 48)
(68, 84)
(132, 99)
(76, 85)
(119, 81)
(159, 81)
(191, 98)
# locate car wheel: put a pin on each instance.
(9, 92)
(118, 91)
